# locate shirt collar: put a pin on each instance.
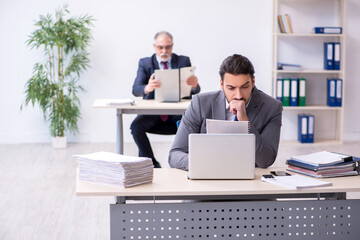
(158, 59)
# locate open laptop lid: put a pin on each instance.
(221, 156)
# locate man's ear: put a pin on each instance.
(253, 81)
(221, 84)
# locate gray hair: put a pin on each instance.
(163, 33)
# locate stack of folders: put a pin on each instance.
(306, 125)
(324, 164)
(334, 92)
(115, 169)
(291, 91)
(332, 55)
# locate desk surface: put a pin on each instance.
(174, 182)
(143, 104)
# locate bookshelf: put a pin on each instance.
(306, 48)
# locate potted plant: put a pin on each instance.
(54, 83)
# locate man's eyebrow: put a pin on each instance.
(245, 83)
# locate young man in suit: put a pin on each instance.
(240, 99)
(144, 86)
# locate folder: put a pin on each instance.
(337, 51)
(279, 89)
(302, 92)
(331, 91)
(294, 92)
(328, 56)
(311, 125)
(170, 85)
(338, 92)
(328, 30)
(302, 128)
(286, 92)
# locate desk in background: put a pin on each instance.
(229, 209)
(146, 107)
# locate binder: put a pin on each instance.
(279, 89)
(337, 51)
(328, 56)
(338, 92)
(302, 92)
(294, 92)
(286, 92)
(311, 125)
(328, 30)
(302, 128)
(331, 91)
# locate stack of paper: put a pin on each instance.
(324, 164)
(296, 182)
(115, 169)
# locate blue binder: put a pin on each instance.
(302, 128)
(331, 92)
(328, 30)
(279, 89)
(294, 92)
(337, 55)
(328, 56)
(338, 92)
(311, 128)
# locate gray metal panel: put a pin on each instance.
(325, 219)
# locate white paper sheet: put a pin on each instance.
(222, 126)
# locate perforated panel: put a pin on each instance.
(326, 219)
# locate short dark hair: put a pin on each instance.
(236, 64)
(163, 33)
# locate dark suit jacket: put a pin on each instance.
(264, 112)
(146, 68)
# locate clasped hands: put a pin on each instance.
(237, 106)
(156, 83)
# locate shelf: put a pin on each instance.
(321, 71)
(320, 142)
(309, 108)
(307, 35)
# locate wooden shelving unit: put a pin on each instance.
(302, 22)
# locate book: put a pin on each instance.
(289, 67)
(302, 91)
(296, 182)
(328, 30)
(322, 158)
(338, 92)
(173, 84)
(324, 173)
(288, 23)
(281, 24)
(328, 56)
(331, 92)
(353, 163)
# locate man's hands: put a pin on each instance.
(152, 84)
(238, 107)
(192, 81)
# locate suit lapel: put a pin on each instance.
(174, 61)
(254, 105)
(155, 63)
(218, 106)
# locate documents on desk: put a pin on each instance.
(115, 169)
(120, 101)
(295, 182)
(322, 158)
(222, 126)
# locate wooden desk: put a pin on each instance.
(146, 107)
(239, 210)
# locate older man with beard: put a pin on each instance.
(144, 86)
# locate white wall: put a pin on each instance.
(207, 31)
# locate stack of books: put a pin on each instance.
(324, 164)
(115, 169)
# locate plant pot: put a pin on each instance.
(59, 142)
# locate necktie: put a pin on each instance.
(165, 65)
(164, 117)
(235, 119)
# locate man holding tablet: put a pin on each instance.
(144, 86)
(240, 100)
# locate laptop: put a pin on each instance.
(221, 156)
